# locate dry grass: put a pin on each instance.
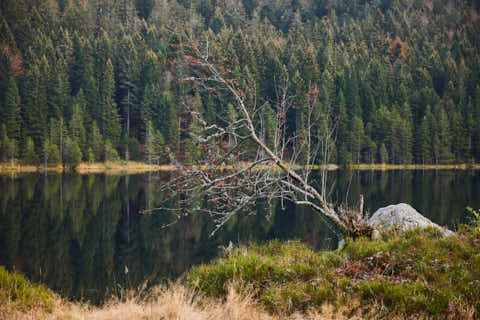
(174, 303)
(381, 167)
(132, 167)
(181, 303)
(7, 168)
(121, 167)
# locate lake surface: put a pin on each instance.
(84, 238)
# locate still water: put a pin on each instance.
(79, 234)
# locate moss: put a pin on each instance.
(414, 273)
(16, 290)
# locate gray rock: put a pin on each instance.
(402, 216)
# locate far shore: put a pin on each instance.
(133, 167)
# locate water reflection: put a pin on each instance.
(78, 233)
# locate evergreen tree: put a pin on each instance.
(154, 145)
(444, 135)
(59, 103)
(50, 154)
(35, 108)
(96, 143)
(357, 139)
(110, 124)
(77, 128)
(127, 75)
(269, 124)
(29, 156)
(58, 132)
(110, 153)
(8, 147)
(72, 152)
(382, 154)
(11, 115)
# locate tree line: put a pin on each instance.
(103, 80)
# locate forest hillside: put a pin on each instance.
(91, 80)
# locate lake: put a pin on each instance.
(82, 235)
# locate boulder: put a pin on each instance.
(402, 216)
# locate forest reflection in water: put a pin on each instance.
(79, 234)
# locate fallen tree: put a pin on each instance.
(280, 159)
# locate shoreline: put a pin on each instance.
(133, 167)
(291, 281)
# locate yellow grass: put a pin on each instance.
(132, 167)
(460, 166)
(174, 303)
(7, 168)
(122, 167)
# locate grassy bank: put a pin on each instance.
(21, 299)
(120, 167)
(416, 274)
(404, 275)
(131, 167)
(383, 166)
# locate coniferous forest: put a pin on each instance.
(92, 80)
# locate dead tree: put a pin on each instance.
(278, 169)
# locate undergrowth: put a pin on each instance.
(16, 292)
(417, 273)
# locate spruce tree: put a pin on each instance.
(72, 152)
(29, 156)
(35, 107)
(127, 79)
(96, 143)
(77, 128)
(11, 115)
(110, 124)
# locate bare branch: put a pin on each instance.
(279, 168)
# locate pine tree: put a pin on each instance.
(96, 143)
(269, 124)
(77, 129)
(127, 75)
(50, 154)
(11, 115)
(193, 149)
(154, 144)
(29, 156)
(8, 147)
(72, 152)
(110, 124)
(150, 155)
(59, 92)
(58, 132)
(150, 105)
(357, 137)
(170, 126)
(110, 153)
(9, 47)
(344, 157)
(382, 153)
(92, 96)
(79, 62)
(444, 135)
(35, 108)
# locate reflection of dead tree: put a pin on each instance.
(280, 165)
